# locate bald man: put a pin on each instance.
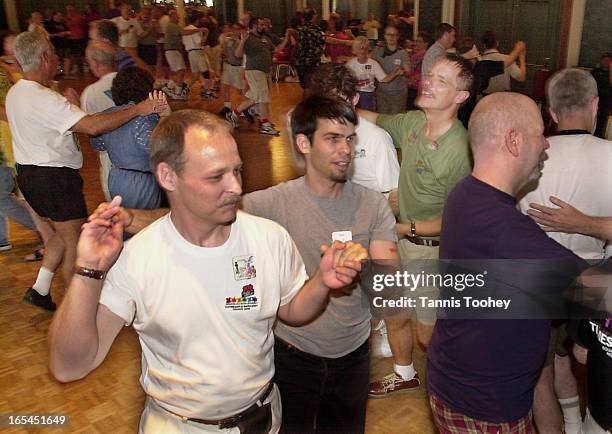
(481, 373)
(96, 97)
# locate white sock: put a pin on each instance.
(43, 281)
(228, 105)
(571, 414)
(407, 372)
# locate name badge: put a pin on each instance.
(368, 67)
(342, 236)
(397, 62)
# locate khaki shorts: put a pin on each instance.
(409, 251)
(197, 61)
(232, 76)
(175, 60)
(259, 86)
(214, 57)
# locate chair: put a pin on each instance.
(284, 59)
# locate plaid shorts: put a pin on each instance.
(451, 422)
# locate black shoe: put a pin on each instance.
(43, 301)
(249, 117)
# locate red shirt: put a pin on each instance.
(76, 26)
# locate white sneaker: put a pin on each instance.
(232, 118)
(381, 345)
(268, 129)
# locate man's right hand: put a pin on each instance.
(101, 238)
(157, 103)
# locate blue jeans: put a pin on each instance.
(10, 205)
(319, 394)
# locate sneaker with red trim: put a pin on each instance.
(393, 384)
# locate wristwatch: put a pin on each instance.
(412, 229)
(90, 272)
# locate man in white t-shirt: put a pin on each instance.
(202, 286)
(129, 32)
(578, 170)
(43, 124)
(96, 97)
(193, 38)
(501, 83)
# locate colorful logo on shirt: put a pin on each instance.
(360, 153)
(420, 166)
(245, 301)
(244, 267)
(434, 146)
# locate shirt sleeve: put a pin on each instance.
(98, 142)
(384, 227)
(396, 125)
(378, 71)
(118, 290)
(57, 113)
(387, 166)
(515, 71)
(143, 130)
(292, 272)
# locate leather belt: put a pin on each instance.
(423, 242)
(232, 421)
(196, 49)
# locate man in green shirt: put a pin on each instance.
(435, 156)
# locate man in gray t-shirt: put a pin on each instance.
(445, 39)
(392, 97)
(325, 364)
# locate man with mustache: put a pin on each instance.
(434, 157)
(322, 368)
(202, 286)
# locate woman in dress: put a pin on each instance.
(129, 146)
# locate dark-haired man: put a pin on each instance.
(258, 49)
(375, 164)
(310, 42)
(501, 83)
(445, 39)
(322, 368)
(435, 156)
(228, 275)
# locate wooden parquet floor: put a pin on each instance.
(110, 399)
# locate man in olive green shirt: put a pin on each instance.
(435, 156)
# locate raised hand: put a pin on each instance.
(101, 238)
(157, 103)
